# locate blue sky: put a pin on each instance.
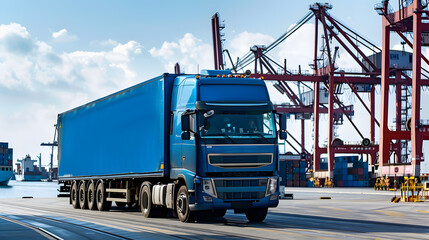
(56, 55)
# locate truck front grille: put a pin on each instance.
(240, 160)
(240, 189)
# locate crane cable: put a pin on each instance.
(248, 58)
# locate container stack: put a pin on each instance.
(349, 171)
(293, 173)
(5, 154)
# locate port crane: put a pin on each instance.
(327, 77)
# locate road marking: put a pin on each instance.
(288, 232)
(128, 227)
(390, 213)
(422, 211)
(36, 229)
(338, 209)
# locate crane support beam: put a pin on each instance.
(407, 19)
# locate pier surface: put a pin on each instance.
(350, 214)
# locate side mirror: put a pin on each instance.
(186, 135)
(283, 135)
(282, 123)
(186, 126)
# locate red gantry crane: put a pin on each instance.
(330, 80)
(411, 18)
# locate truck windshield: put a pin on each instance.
(236, 124)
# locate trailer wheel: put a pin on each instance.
(256, 214)
(82, 196)
(74, 196)
(145, 200)
(182, 205)
(92, 205)
(102, 203)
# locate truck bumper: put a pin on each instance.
(219, 204)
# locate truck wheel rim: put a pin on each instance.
(90, 196)
(182, 203)
(100, 197)
(145, 201)
(82, 196)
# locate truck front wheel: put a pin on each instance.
(182, 205)
(74, 196)
(256, 214)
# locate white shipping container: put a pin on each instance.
(307, 98)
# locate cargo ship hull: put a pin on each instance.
(27, 177)
(5, 175)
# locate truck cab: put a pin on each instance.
(224, 145)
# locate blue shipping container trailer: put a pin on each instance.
(194, 144)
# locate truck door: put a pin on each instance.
(183, 152)
(187, 100)
(189, 151)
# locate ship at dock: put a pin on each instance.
(6, 168)
(28, 171)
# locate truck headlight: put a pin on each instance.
(271, 186)
(208, 187)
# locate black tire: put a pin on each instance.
(218, 213)
(74, 196)
(145, 200)
(120, 204)
(182, 205)
(100, 196)
(90, 196)
(256, 214)
(82, 196)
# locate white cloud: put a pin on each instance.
(189, 51)
(298, 48)
(242, 42)
(37, 83)
(166, 51)
(109, 42)
(13, 29)
(63, 36)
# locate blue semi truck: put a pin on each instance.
(191, 144)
